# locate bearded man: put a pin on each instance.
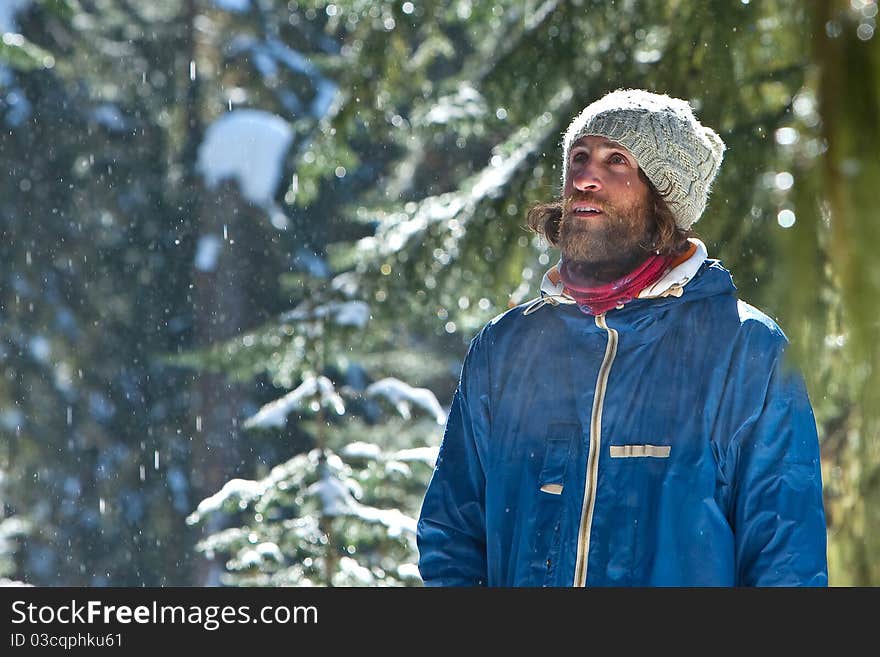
(636, 425)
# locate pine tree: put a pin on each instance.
(343, 513)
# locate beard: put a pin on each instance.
(610, 246)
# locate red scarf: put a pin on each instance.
(597, 300)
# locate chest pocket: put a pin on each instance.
(557, 453)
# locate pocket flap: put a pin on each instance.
(629, 451)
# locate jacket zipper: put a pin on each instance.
(580, 569)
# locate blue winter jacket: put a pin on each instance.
(664, 443)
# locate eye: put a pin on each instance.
(579, 156)
(617, 158)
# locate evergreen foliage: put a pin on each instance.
(344, 512)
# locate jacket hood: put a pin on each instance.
(696, 278)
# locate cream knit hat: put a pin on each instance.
(679, 156)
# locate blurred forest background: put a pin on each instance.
(245, 244)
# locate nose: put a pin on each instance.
(584, 178)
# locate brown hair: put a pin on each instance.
(545, 219)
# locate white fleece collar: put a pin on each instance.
(673, 282)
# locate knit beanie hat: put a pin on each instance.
(679, 156)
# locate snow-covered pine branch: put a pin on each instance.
(248, 146)
(397, 229)
(342, 313)
(402, 396)
(274, 414)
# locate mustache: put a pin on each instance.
(585, 197)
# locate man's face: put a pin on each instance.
(606, 216)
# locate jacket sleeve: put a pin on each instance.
(778, 514)
(451, 534)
